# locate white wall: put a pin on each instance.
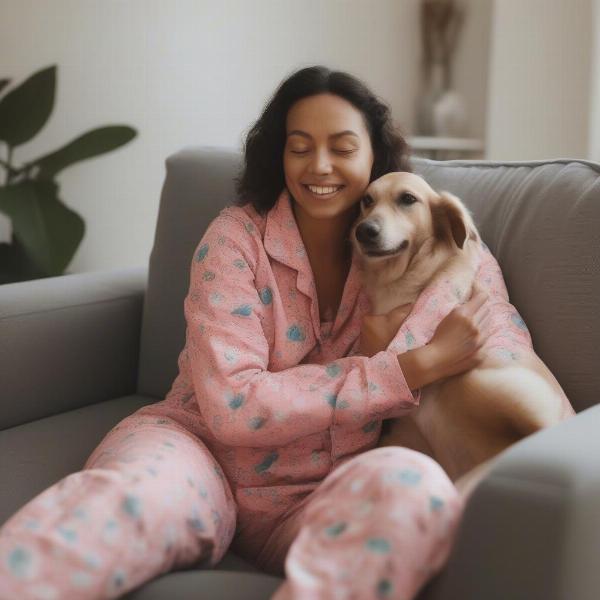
(594, 141)
(198, 72)
(539, 79)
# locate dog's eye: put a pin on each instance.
(407, 199)
(367, 201)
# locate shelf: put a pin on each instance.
(445, 143)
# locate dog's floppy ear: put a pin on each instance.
(451, 221)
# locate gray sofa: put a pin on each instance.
(80, 352)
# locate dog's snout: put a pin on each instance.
(367, 232)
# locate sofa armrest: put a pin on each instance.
(68, 341)
(531, 529)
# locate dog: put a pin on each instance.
(409, 238)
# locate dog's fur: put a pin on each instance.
(465, 420)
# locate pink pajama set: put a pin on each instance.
(266, 442)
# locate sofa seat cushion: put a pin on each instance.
(208, 585)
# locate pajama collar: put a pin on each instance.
(282, 241)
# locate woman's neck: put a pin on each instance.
(326, 240)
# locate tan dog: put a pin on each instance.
(408, 237)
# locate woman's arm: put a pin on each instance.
(454, 348)
(242, 402)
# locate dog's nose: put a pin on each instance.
(367, 232)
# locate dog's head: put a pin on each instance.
(400, 212)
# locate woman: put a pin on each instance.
(267, 437)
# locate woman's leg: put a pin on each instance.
(150, 499)
(379, 526)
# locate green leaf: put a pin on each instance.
(15, 265)
(25, 110)
(49, 232)
(95, 142)
(4, 83)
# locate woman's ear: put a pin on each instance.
(450, 219)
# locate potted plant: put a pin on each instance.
(45, 232)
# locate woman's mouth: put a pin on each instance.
(323, 191)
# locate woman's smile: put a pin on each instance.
(324, 191)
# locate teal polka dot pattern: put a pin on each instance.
(118, 579)
(378, 545)
(331, 399)
(132, 505)
(384, 588)
(333, 370)
(370, 426)
(518, 321)
(266, 464)
(69, 535)
(266, 295)
(256, 422)
(296, 334)
(239, 264)
(435, 503)
(216, 298)
(236, 401)
(245, 310)
(196, 523)
(407, 477)
(20, 563)
(410, 340)
(202, 252)
(208, 275)
(336, 529)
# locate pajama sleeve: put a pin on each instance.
(241, 401)
(505, 326)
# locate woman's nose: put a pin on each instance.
(321, 162)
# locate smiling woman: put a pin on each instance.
(277, 408)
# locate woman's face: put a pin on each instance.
(328, 156)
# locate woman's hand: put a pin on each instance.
(458, 339)
(454, 348)
(377, 331)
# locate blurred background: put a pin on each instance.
(493, 79)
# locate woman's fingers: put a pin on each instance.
(482, 315)
(476, 301)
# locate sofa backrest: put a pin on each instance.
(540, 219)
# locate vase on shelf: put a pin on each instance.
(433, 88)
(441, 111)
(449, 115)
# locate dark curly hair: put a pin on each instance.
(262, 178)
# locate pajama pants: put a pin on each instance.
(152, 499)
